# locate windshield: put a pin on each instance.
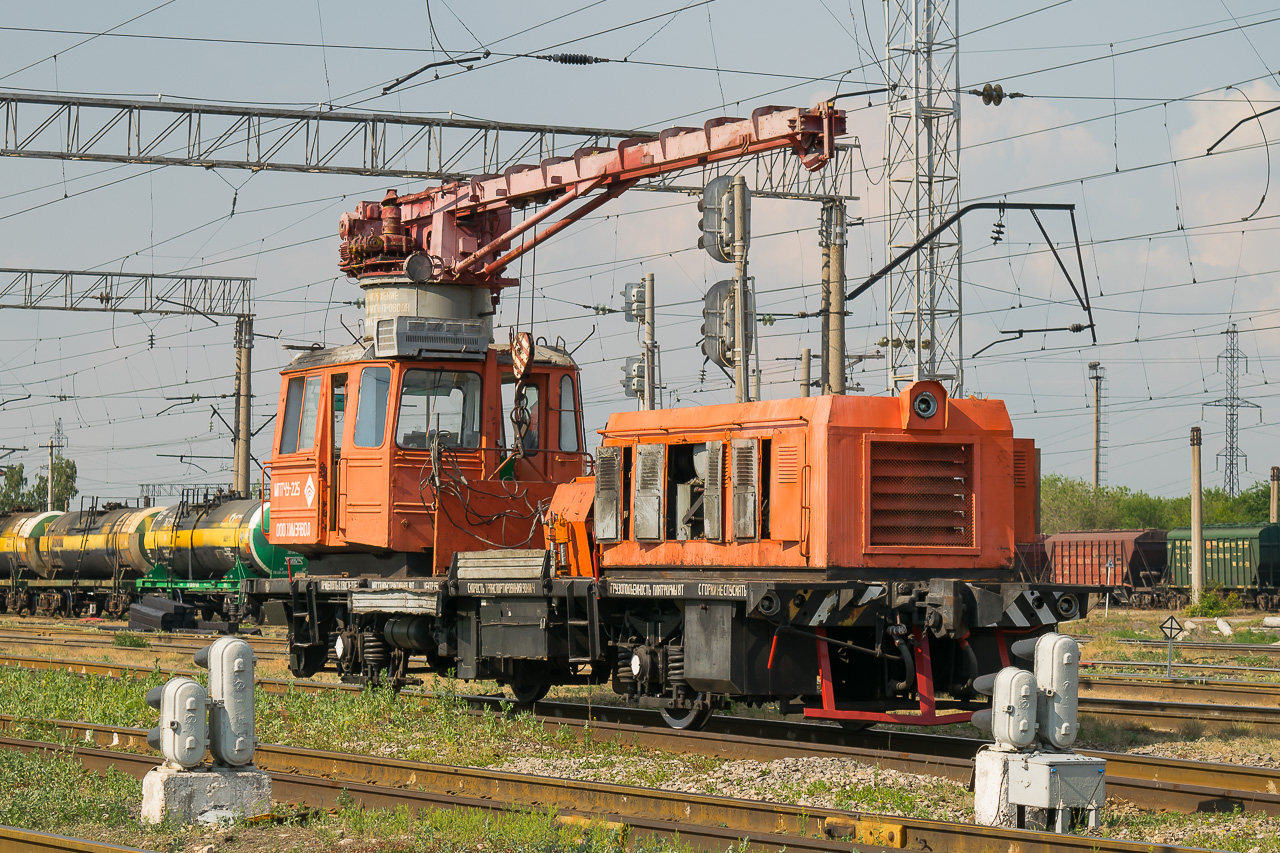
(444, 400)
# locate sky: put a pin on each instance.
(1120, 107)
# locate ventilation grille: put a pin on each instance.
(1021, 469)
(921, 494)
(788, 463)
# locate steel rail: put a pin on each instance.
(155, 645)
(15, 840)
(1218, 648)
(1147, 781)
(317, 778)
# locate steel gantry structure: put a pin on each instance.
(922, 44)
(342, 142)
(152, 293)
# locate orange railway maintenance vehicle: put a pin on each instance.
(848, 558)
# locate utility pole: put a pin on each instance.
(650, 345)
(833, 382)
(1232, 454)
(824, 240)
(57, 441)
(1097, 374)
(244, 399)
(740, 349)
(1197, 520)
(922, 49)
(805, 357)
(1275, 494)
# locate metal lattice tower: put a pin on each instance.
(1231, 454)
(923, 156)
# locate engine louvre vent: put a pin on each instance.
(921, 494)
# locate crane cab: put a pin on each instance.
(395, 463)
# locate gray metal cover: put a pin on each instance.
(713, 496)
(608, 501)
(746, 459)
(396, 601)
(422, 336)
(1058, 781)
(650, 462)
(519, 564)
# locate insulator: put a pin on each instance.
(573, 58)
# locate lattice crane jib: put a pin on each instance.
(923, 189)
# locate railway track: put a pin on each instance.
(317, 778)
(1190, 651)
(264, 648)
(14, 840)
(1146, 781)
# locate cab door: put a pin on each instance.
(298, 472)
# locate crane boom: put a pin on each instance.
(460, 233)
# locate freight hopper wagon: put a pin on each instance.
(1239, 558)
(1129, 564)
(847, 558)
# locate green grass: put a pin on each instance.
(1233, 831)
(130, 641)
(1251, 635)
(1213, 603)
(56, 794)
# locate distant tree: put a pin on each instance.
(1068, 503)
(13, 489)
(64, 486)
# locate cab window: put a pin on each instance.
(568, 415)
(439, 401)
(371, 406)
(302, 405)
(310, 413)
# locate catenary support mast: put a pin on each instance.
(923, 188)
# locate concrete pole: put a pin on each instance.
(806, 356)
(835, 336)
(740, 349)
(1095, 374)
(51, 446)
(1275, 494)
(244, 395)
(650, 350)
(824, 239)
(1197, 520)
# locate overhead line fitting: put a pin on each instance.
(574, 58)
(994, 95)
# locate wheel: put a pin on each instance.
(687, 719)
(528, 692)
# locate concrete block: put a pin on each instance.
(1189, 625)
(991, 806)
(1271, 622)
(205, 795)
(1225, 627)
